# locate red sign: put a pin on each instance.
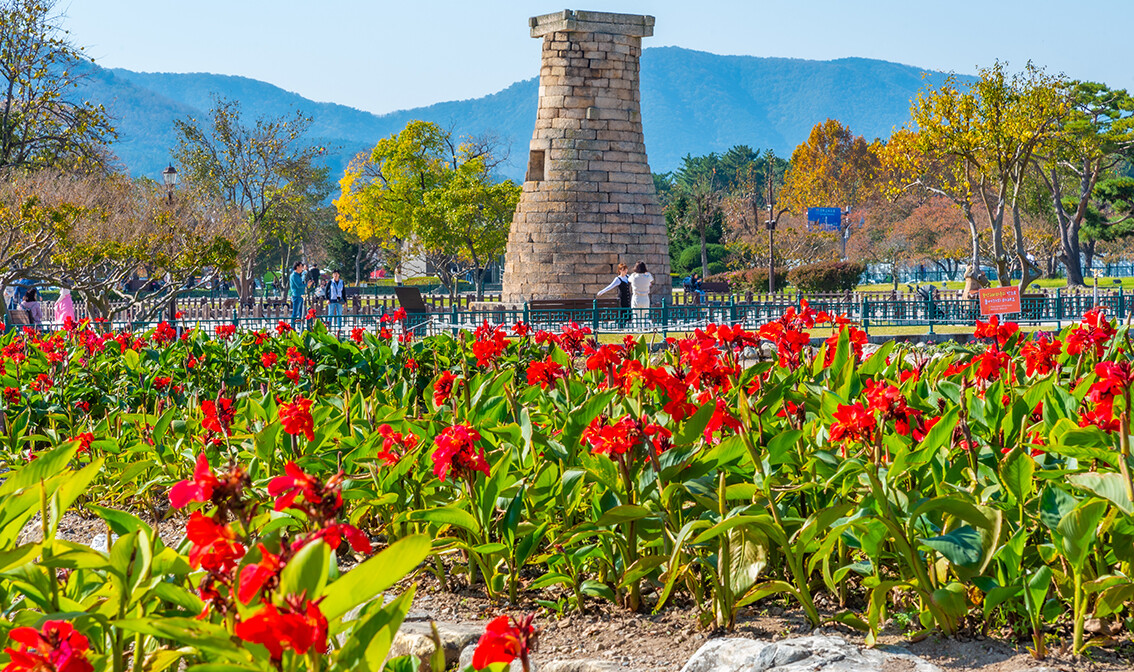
(999, 300)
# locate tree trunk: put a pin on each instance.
(358, 266)
(974, 255)
(704, 253)
(1000, 255)
(1029, 272)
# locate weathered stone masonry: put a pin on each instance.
(588, 200)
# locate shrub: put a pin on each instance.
(689, 261)
(750, 279)
(827, 276)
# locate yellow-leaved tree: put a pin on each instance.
(421, 191)
(833, 168)
(975, 144)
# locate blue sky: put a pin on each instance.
(381, 56)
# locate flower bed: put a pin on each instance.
(975, 486)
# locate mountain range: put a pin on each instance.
(693, 102)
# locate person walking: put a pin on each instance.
(31, 304)
(297, 284)
(335, 301)
(621, 282)
(640, 283)
(64, 307)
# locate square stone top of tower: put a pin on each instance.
(582, 21)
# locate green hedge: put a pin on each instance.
(827, 276)
(750, 279)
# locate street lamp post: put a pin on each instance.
(770, 224)
(169, 177)
(844, 232)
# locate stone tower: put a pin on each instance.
(588, 200)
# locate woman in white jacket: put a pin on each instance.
(640, 283)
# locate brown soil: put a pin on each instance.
(666, 641)
(83, 527)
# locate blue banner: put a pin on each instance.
(824, 219)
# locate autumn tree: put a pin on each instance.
(468, 221)
(41, 125)
(832, 168)
(976, 145)
(266, 169)
(1096, 136)
(91, 234)
(425, 191)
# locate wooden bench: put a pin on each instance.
(20, 318)
(560, 311)
(714, 287)
(572, 304)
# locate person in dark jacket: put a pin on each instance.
(621, 282)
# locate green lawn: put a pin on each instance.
(1126, 283)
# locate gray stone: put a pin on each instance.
(816, 653)
(416, 638)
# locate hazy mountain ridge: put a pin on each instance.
(692, 103)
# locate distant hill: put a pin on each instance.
(693, 102)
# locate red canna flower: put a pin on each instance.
(225, 331)
(299, 627)
(443, 388)
(164, 333)
(505, 640)
(993, 329)
(84, 440)
(545, 373)
(162, 382)
(335, 533)
(990, 364)
(311, 313)
(269, 359)
(1101, 416)
(213, 545)
(55, 647)
(611, 439)
(357, 334)
(395, 445)
(520, 329)
(853, 423)
(1114, 379)
(399, 314)
(283, 328)
(1040, 353)
(1094, 331)
(255, 577)
(489, 344)
(292, 375)
(286, 489)
(457, 451)
(198, 489)
(296, 418)
(218, 415)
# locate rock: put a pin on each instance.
(416, 638)
(800, 654)
(98, 542)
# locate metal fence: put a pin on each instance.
(872, 311)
